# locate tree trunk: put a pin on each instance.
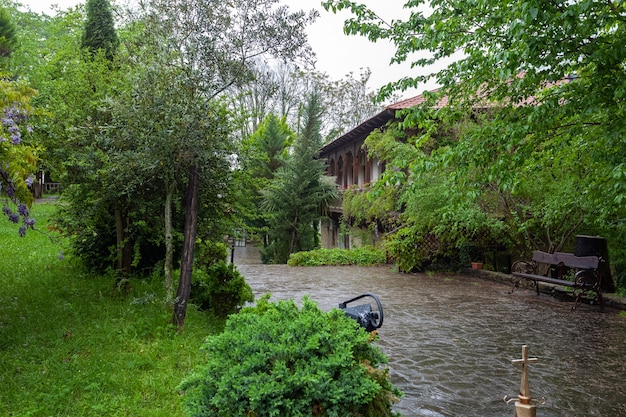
(294, 232)
(169, 244)
(123, 247)
(186, 265)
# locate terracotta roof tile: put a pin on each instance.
(388, 113)
(416, 101)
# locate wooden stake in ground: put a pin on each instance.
(523, 407)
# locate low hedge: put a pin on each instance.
(367, 255)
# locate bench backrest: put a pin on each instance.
(567, 259)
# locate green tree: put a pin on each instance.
(548, 83)
(299, 193)
(108, 223)
(273, 89)
(269, 145)
(100, 39)
(142, 135)
(260, 156)
(46, 44)
(100, 33)
(8, 36)
(210, 47)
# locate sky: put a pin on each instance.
(337, 54)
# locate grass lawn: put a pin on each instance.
(72, 345)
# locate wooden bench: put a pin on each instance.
(585, 278)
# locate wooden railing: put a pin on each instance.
(51, 187)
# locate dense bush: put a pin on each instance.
(210, 252)
(367, 255)
(278, 360)
(89, 223)
(270, 253)
(620, 277)
(220, 288)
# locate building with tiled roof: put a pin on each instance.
(347, 161)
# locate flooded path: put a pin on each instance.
(450, 339)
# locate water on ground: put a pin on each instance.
(450, 339)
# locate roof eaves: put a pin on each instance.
(360, 131)
(377, 121)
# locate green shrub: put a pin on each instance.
(367, 255)
(210, 252)
(620, 276)
(219, 288)
(268, 253)
(278, 360)
(414, 250)
(89, 223)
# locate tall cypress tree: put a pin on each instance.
(100, 31)
(8, 38)
(297, 195)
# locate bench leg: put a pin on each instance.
(515, 284)
(577, 295)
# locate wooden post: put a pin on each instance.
(346, 165)
(523, 407)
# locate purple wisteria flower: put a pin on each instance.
(12, 118)
(15, 114)
(10, 190)
(23, 212)
(22, 209)
(15, 117)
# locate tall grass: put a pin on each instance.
(72, 345)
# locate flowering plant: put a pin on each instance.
(18, 160)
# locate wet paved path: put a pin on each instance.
(451, 339)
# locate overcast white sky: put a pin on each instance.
(337, 54)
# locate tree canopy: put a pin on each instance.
(545, 85)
